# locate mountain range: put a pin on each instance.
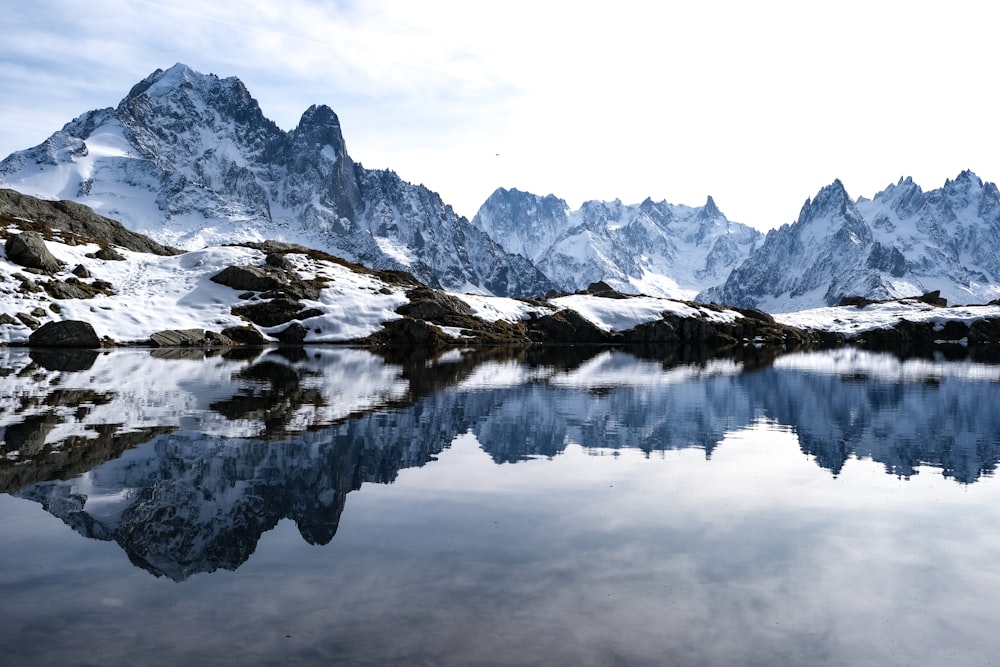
(190, 160)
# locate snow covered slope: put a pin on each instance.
(903, 242)
(652, 248)
(190, 160)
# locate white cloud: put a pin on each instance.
(759, 104)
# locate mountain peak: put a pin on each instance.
(162, 82)
(319, 115)
(830, 197)
(710, 210)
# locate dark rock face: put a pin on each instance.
(248, 278)
(271, 280)
(78, 219)
(109, 255)
(293, 334)
(67, 333)
(411, 333)
(433, 305)
(269, 313)
(28, 249)
(244, 335)
(187, 338)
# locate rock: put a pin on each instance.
(602, 289)
(79, 220)
(27, 284)
(248, 278)
(986, 330)
(435, 306)
(278, 261)
(5, 318)
(28, 321)
(934, 299)
(271, 281)
(269, 313)
(28, 249)
(181, 338)
(953, 330)
(411, 333)
(109, 255)
(293, 334)
(80, 271)
(244, 336)
(568, 327)
(65, 333)
(857, 301)
(58, 289)
(38, 311)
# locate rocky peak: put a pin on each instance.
(709, 210)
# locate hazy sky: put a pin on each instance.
(759, 104)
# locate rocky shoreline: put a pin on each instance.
(71, 278)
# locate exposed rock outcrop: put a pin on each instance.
(65, 333)
(28, 249)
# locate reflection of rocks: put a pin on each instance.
(270, 393)
(75, 456)
(64, 359)
(197, 500)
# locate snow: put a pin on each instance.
(495, 308)
(623, 314)
(851, 321)
(155, 293)
(396, 249)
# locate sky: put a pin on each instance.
(758, 104)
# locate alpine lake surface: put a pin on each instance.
(577, 506)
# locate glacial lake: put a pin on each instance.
(560, 507)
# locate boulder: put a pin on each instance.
(109, 255)
(244, 336)
(28, 249)
(248, 278)
(934, 299)
(986, 330)
(269, 313)
(187, 338)
(65, 333)
(293, 334)
(436, 306)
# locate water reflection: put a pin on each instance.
(186, 463)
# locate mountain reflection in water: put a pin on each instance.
(572, 507)
(186, 463)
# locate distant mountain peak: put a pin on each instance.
(319, 115)
(190, 159)
(710, 210)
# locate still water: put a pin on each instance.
(584, 507)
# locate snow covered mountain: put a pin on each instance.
(190, 160)
(653, 248)
(903, 242)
